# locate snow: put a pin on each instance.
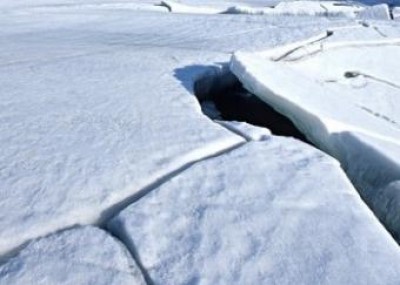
(347, 104)
(61, 4)
(378, 12)
(316, 8)
(270, 212)
(396, 13)
(249, 132)
(82, 255)
(97, 107)
(125, 6)
(294, 8)
(83, 134)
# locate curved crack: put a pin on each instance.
(222, 97)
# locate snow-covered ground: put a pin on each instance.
(97, 110)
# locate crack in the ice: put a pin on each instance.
(379, 32)
(338, 45)
(380, 116)
(235, 131)
(353, 74)
(112, 211)
(165, 5)
(327, 34)
(376, 28)
(391, 12)
(288, 53)
(130, 248)
(326, 13)
(234, 103)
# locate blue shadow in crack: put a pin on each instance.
(218, 85)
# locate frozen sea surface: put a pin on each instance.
(270, 212)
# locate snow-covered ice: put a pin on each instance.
(341, 89)
(97, 110)
(177, 7)
(96, 106)
(81, 134)
(292, 8)
(79, 256)
(271, 212)
(396, 13)
(377, 12)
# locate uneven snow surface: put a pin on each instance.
(98, 115)
(96, 106)
(79, 256)
(292, 8)
(271, 212)
(348, 103)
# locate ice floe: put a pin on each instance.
(341, 90)
(271, 212)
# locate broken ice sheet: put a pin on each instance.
(342, 91)
(270, 212)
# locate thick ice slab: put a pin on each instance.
(271, 212)
(341, 90)
(80, 256)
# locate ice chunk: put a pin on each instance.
(377, 12)
(315, 8)
(271, 212)
(79, 256)
(396, 13)
(344, 96)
